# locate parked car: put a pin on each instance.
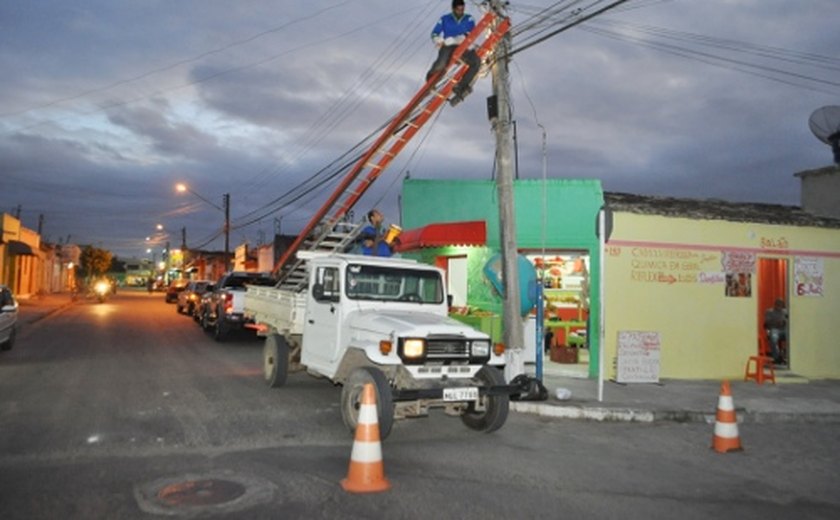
(8, 318)
(175, 287)
(188, 298)
(223, 312)
(201, 306)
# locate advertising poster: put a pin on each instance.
(808, 276)
(738, 266)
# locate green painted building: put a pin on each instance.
(556, 220)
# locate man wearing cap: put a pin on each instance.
(448, 33)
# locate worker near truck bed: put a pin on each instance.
(373, 236)
(448, 33)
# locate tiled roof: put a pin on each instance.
(713, 209)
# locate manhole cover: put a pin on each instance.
(201, 492)
(213, 492)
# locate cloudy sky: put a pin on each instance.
(105, 106)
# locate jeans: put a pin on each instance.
(775, 336)
(470, 57)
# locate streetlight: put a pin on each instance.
(181, 188)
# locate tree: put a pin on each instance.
(95, 261)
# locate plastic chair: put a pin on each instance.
(760, 367)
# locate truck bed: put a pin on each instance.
(283, 311)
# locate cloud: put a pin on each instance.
(105, 106)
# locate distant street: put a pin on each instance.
(128, 410)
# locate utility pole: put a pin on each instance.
(226, 205)
(502, 126)
(40, 224)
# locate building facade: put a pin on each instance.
(686, 282)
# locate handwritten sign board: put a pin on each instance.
(638, 357)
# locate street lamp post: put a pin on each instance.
(181, 187)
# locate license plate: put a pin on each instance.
(467, 393)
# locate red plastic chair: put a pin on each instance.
(760, 367)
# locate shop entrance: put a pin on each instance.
(772, 286)
(565, 280)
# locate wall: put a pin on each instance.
(665, 274)
(820, 191)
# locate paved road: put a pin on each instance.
(111, 410)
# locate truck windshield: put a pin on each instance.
(380, 283)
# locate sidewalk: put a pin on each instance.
(35, 308)
(791, 399)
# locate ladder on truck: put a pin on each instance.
(327, 230)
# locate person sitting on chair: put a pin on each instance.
(775, 325)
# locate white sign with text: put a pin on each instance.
(638, 357)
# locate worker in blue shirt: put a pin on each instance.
(373, 237)
(448, 33)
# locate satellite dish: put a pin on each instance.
(825, 124)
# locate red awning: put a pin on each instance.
(472, 233)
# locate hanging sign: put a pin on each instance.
(638, 357)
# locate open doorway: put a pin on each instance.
(772, 286)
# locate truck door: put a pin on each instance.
(321, 329)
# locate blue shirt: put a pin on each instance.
(448, 26)
(380, 247)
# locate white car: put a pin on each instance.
(8, 318)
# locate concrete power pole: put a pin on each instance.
(226, 200)
(502, 126)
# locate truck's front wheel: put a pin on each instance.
(496, 407)
(275, 360)
(351, 397)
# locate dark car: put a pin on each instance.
(175, 287)
(189, 298)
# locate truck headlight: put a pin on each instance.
(481, 348)
(414, 348)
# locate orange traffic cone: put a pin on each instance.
(726, 424)
(366, 473)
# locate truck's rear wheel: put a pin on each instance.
(351, 397)
(221, 329)
(496, 407)
(275, 360)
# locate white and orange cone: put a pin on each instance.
(366, 473)
(726, 437)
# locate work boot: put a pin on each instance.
(459, 94)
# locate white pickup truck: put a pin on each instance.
(221, 312)
(381, 320)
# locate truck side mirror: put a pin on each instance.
(318, 291)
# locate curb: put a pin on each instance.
(35, 316)
(619, 414)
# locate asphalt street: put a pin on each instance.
(113, 410)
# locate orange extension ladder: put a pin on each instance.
(326, 231)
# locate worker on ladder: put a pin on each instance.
(447, 34)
